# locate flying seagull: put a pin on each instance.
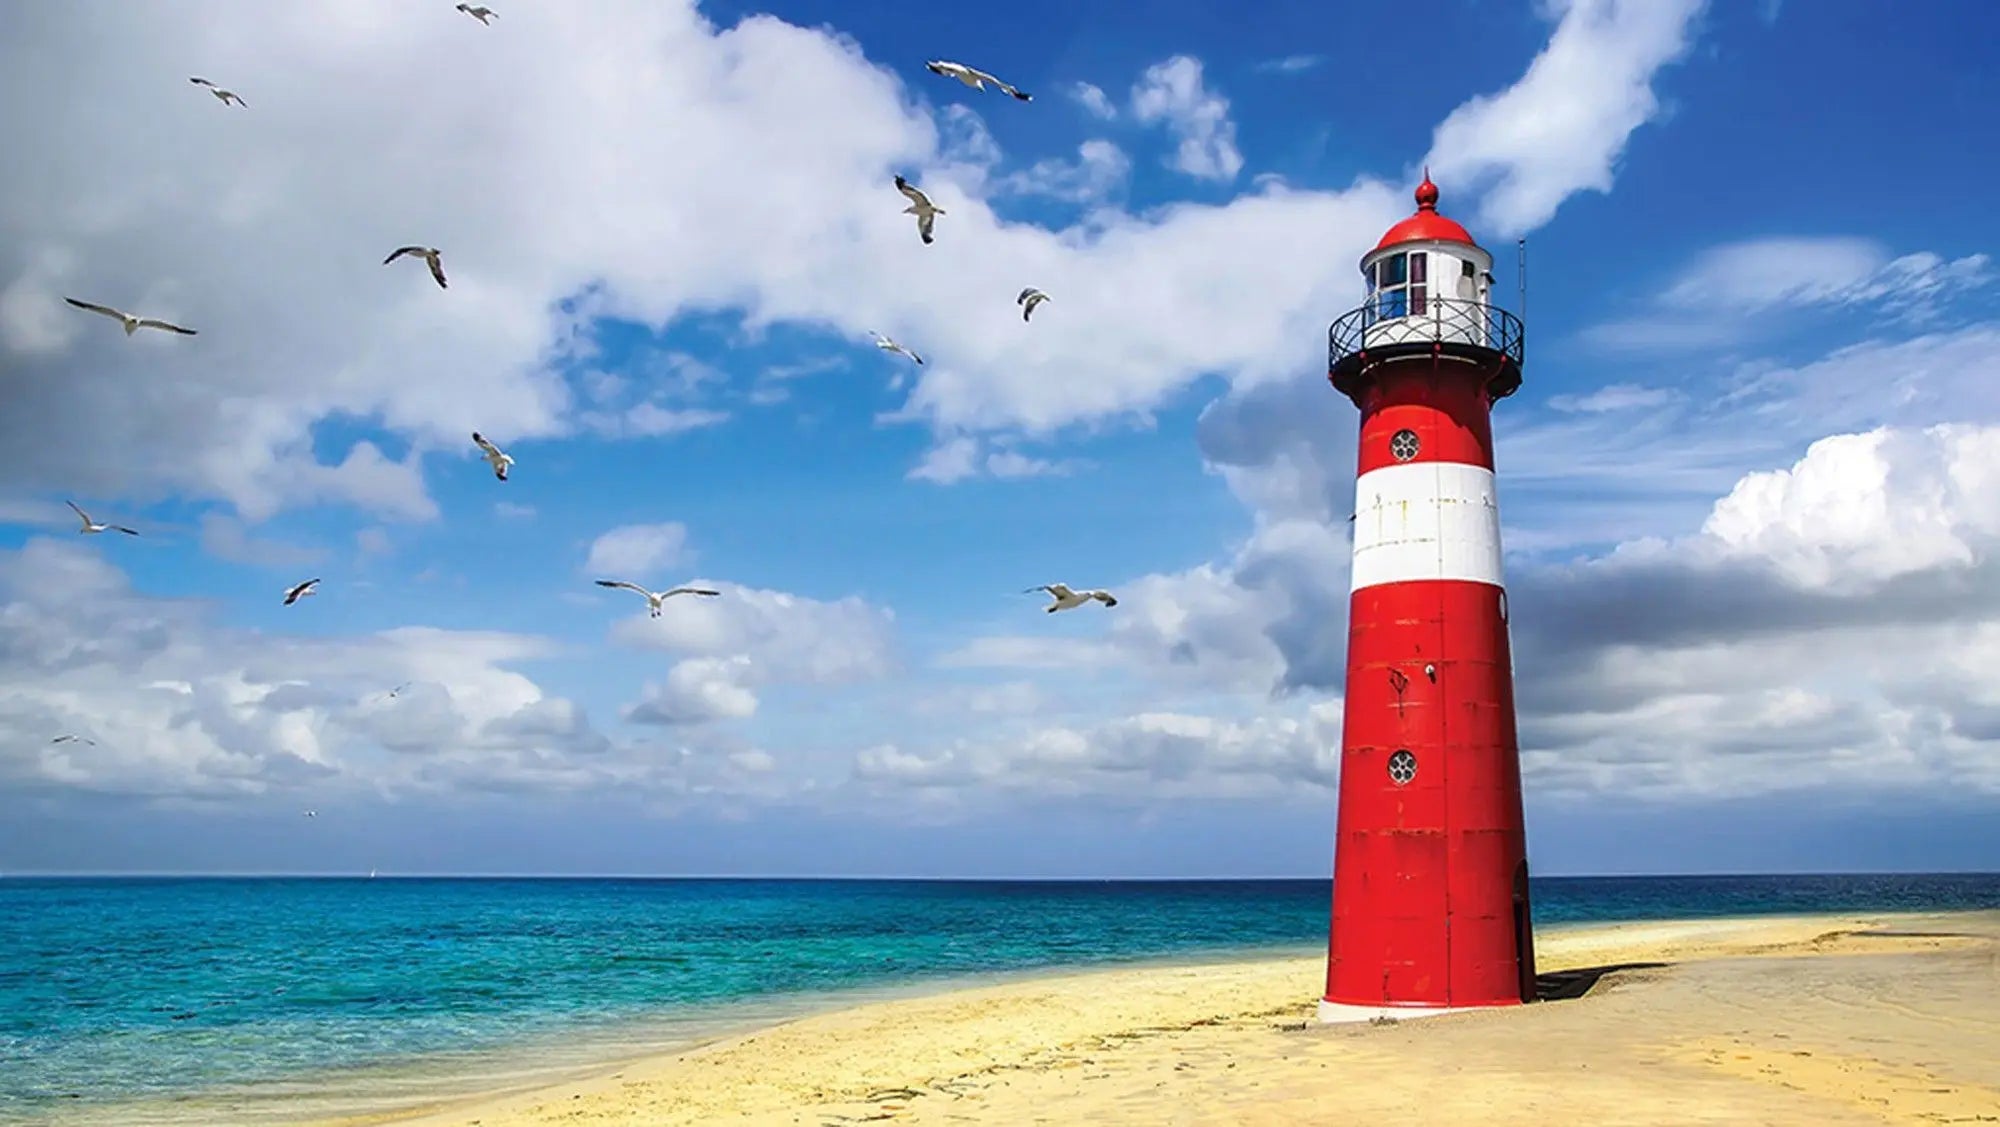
(430, 255)
(655, 598)
(400, 688)
(482, 13)
(1066, 599)
(976, 79)
(301, 591)
(494, 457)
(132, 324)
(90, 526)
(79, 739)
(312, 814)
(1030, 298)
(921, 207)
(224, 96)
(888, 345)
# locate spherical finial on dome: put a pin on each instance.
(1427, 193)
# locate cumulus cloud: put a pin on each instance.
(1094, 100)
(1172, 93)
(636, 551)
(1563, 126)
(1100, 168)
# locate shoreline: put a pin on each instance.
(828, 1053)
(832, 1062)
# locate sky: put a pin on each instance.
(1748, 487)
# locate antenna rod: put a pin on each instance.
(1522, 248)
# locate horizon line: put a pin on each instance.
(446, 875)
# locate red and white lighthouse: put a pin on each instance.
(1430, 873)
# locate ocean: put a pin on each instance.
(219, 1000)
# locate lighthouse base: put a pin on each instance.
(1341, 1013)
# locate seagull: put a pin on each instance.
(1030, 298)
(973, 78)
(482, 13)
(401, 687)
(655, 598)
(921, 207)
(494, 457)
(1067, 599)
(90, 526)
(132, 324)
(888, 345)
(312, 814)
(428, 254)
(301, 591)
(79, 739)
(225, 96)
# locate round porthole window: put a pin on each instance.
(1403, 444)
(1402, 767)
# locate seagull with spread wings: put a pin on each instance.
(482, 13)
(132, 324)
(1066, 599)
(495, 457)
(430, 255)
(224, 96)
(977, 79)
(78, 739)
(91, 526)
(1030, 298)
(655, 598)
(309, 587)
(921, 207)
(887, 344)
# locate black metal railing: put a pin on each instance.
(1454, 325)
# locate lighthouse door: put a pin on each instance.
(1524, 933)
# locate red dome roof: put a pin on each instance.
(1426, 224)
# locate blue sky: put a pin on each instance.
(1749, 572)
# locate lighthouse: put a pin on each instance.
(1430, 872)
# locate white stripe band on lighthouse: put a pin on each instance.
(1426, 520)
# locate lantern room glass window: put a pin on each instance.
(1399, 286)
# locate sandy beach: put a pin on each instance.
(1820, 1020)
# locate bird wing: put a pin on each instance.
(81, 515)
(201, 82)
(1019, 95)
(126, 531)
(492, 451)
(94, 308)
(156, 323)
(691, 591)
(625, 585)
(972, 72)
(400, 252)
(1060, 590)
(301, 589)
(1105, 597)
(437, 270)
(913, 356)
(915, 193)
(1025, 294)
(925, 223)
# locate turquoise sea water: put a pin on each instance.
(114, 990)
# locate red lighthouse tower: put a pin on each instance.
(1430, 885)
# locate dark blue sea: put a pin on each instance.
(287, 992)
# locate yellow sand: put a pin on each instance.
(1769, 1021)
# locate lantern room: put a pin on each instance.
(1428, 289)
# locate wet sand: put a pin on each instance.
(1823, 1020)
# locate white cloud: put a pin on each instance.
(1099, 169)
(1730, 293)
(549, 218)
(697, 690)
(963, 456)
(513, 510)
(1291, 64)
(1172, 92)
(1613, 397)
(1093, 99)
(786, 637)
(637, 551)
(1563, 126)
